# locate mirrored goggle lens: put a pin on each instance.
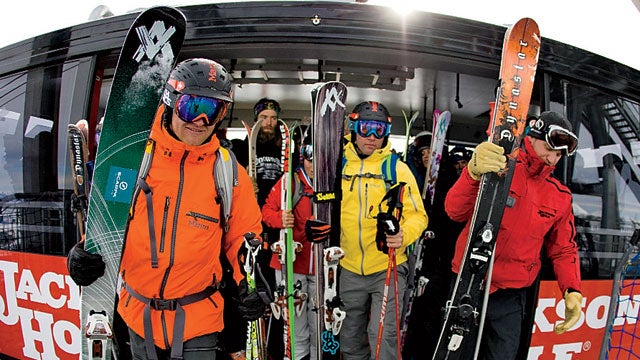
(191, 108)
(366, 128)
(307, 152)
(561, 139)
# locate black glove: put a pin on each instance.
(386, 224)
(317, 231)
(84, 268)
(252, 304)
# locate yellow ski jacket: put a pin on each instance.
(363, 188)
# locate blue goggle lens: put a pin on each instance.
(191, 108)
(366, 128)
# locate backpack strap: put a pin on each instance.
(388, 169)
(298, 191)
(225, 175)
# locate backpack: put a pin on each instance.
(225, 176)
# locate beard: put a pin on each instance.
(268, 136)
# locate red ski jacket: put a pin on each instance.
(540, 216)
(272, 216)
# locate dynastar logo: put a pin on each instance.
(153, 41)
(331, 100)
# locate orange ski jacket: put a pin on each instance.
(189, 238)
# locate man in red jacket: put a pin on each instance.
(275, 217)
(539, 214)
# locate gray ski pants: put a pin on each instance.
(362, 297)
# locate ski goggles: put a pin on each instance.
(559, 138)
(366, 128)
(307, 152)
(191, 108)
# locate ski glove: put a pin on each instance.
(386, 224)
(573, 307)
(252, 304)
(317, 231)
(84, 268)
(487, 157)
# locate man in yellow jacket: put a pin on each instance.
(364, 266)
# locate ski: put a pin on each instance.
(252, 244)
(408, 122)
(416, 282)
(440, 127)
(78, 153)
(464, 316)
(328, 113)
(286, 294)
(253, 143)
(256, 344)
(147, 56)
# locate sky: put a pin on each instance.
(609, 28)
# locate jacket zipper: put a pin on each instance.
(167, 202)
(197, 216)
(174, 231)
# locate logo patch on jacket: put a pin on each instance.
(545, 214)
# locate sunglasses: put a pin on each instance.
(191, 108)
(307, 152)
(366, 128)
(559, 138)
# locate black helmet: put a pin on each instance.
(202, 77)
(370, 110)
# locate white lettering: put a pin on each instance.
(566, 351)
(30, 335)
(627, 310)
(8, 307)
(28, 285)
(42, 334)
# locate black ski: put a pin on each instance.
(328, 110)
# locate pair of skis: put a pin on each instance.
(464, 317)
(328, 113)
(288, 300)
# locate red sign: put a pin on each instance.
(39, 307)
(584, 340)
(40, 317)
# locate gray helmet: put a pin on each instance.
(202, 77)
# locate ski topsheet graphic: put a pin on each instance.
(146, 59)
(440, 127)
(328, 109)
(464, 315)
(78, 153)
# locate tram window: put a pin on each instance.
(35, 108)
(603, 175)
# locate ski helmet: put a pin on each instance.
(201, 77)
(369, 110)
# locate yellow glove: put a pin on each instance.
(487, 157)
(573, 306)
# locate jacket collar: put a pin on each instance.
(534, 165)
(351, 154)
(177, 147)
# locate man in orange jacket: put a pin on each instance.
(170, 264)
